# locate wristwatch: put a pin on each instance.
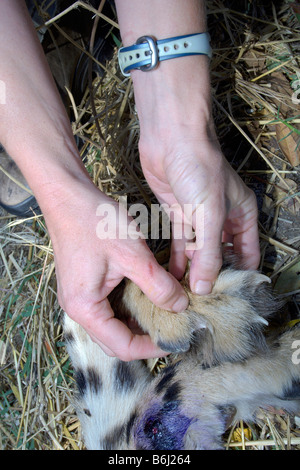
(147, 52)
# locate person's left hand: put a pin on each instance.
(224, 209)
(183, 164)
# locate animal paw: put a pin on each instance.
(227, 324)
(236, 315)
(172, 332)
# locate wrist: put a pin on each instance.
(174, 101)
(176, 95)
(69, 203)
(57, 177)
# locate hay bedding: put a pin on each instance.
(255, 63)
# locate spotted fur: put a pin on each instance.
(225, 369)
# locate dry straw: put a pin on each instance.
(255, 62)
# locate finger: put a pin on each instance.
(139, 348)
(242, 224)
(159, 285)
(247, 245)
(115, 339)
(207, 255)
(178, 258)
(104, 348)
(227, 238)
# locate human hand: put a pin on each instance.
(227, 209)
(88, 268)
(183, 164)
(40, 140)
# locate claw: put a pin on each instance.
(265, 278)
(201, 323)
(263, 320)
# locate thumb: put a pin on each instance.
(207, 256)
(113, 336)
(159, 285)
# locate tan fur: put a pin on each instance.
(226, 369)
(219, 314)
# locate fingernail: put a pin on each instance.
(203, 287)
(181, 304)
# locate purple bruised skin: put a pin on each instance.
(232, 369)
(162, 427)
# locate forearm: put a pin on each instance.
(34, 126)
(177, 93)
(162, 19)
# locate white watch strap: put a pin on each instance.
(147, 52)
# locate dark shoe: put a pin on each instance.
(13, 196)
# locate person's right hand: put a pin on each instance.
(88, 268)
